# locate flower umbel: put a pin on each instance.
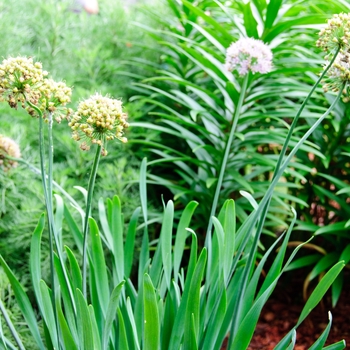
(339, 75)
(97, 120)
(248, 54)
(18, 76)
(53, 98)
(8, 147)
(336, 34)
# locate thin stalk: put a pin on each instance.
(48, 199)
(208, 238)
(295, 121)
(277, 173)
(91, 186)
(226, 154)
(49, 218)
(11, 327)
(262, 207)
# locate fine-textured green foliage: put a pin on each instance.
(185, 294)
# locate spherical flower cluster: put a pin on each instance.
(18, 76)
(248, 54)
(53, 96)
(338, 76)
(97, 120)
(8, 147)
(336, 34)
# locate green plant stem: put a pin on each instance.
(49, 216)
(265, 203)
(91, 186)
(261, 210)
(47, 186)
(208, 238)
(11, 327)
(226, 155)
(295, 121)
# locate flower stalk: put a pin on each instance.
(91, 186)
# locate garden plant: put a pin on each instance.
(191, 98)
(182, 295)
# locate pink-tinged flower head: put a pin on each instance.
(248, 54)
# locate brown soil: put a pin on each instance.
(282, 311)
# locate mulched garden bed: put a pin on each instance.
(282, 311)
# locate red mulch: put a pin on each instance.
(282, 311)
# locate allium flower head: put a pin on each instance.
(97, 120)
(338, 76)
(8, 147)
(18, 76)
(248, 54)
(53, 96)
(336, 33)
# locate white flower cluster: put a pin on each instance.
(248, 54)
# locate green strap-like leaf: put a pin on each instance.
(84, 323)
(320, 290)
(166, 238)
(323, 337)
(95, 331)
(192, 312)
(100, 268)
(129, 247)
(272, 11)
(111, 314)
(123, 340)
(151, 330)
(24, 304)
(48, 313)
(181, 235)
(67, 337)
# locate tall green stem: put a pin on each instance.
(49, 216)
(48, 200)
(295, 121)
(91, 186)
(226, 154)
(259, 215)
(208, 238)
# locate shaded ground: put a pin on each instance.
(282, 311)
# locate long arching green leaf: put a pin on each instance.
(111, 314)
(151, 330)
(24, 304)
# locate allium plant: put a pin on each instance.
(246, 55)
(168, 307)
(97, 120)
